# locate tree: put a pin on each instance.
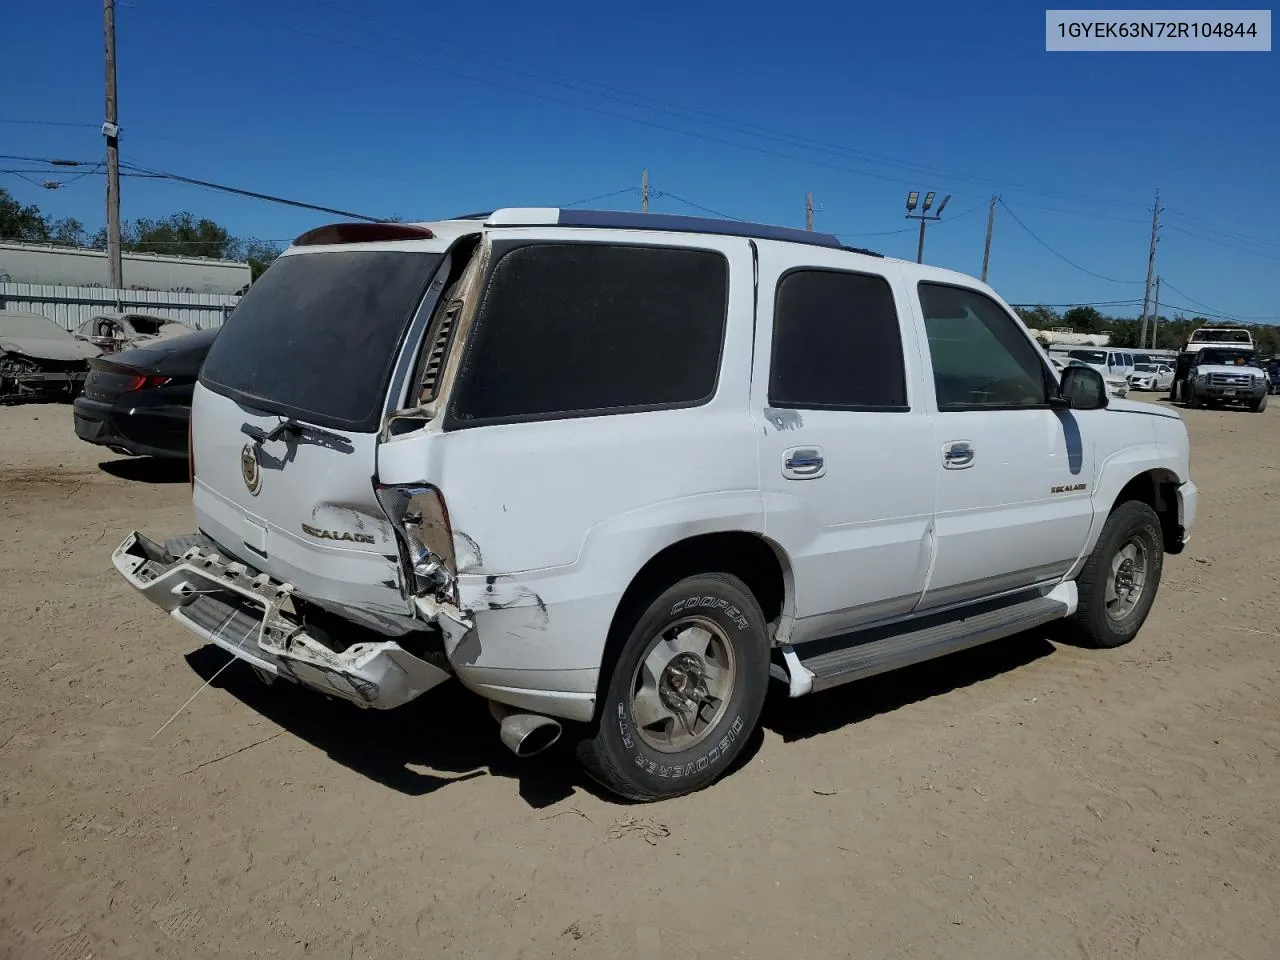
(68, 232)
(178, 235)
(260, 255)
(18, 222)
(1083, 320)
(1038, 317)
(1125, 333)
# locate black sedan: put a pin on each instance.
(138, 402)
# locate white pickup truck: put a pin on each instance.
(614, 471)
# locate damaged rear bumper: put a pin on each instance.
(250, 616)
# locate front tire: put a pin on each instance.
(1259, 405)
(1119, 581)
(685, 693)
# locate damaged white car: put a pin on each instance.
(613, 472)
(113, 332)
(39, 359)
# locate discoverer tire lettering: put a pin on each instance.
(619, 756)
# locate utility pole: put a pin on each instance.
(644, 190)
(1155, 316)
(986, 250)
(111, 131)
(923, 216)
(808, 211)
(1151, 266)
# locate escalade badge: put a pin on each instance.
(311, 531)
(249, 469)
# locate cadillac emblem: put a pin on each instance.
(249, 468)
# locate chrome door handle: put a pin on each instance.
(803, 463)
(957, 455)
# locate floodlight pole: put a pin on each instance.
(923, 216)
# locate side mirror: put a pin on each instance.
(1083, 388)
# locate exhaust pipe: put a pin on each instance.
(524, 733)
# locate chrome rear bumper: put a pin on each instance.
(250, 616)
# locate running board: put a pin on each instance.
(856, 656)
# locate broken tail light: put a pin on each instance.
(420, 520)
(148, 382)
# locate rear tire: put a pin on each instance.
(685, 693)
(1119, 581)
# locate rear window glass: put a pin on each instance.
(578, 329)
(316, 337)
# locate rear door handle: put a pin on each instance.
(803, 463)
(957, 455)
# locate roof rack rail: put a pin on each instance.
(681, 224)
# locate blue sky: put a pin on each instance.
(421, 109)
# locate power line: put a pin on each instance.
(489, 81)
(1078, 303)
(1207, 306)
(1211, 315)
(698, 206)
(876, 233)
(255, 195)
(90, 173)
(603, 196)
(1207, 227)
(1081, 213)
(51, 161)
(1064, 259)
(1223, 243)
(179, 178)
(703, 117)
(50, 123)
(889, 233)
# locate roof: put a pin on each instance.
(627, 220)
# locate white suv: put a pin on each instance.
(615, 470)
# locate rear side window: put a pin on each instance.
(836, 343)
(579, 329)
(316, 337)
(981, 358)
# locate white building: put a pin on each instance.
(49, 265)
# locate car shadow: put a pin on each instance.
(147, 470)
(449, 736)
(853, 703)
(445, 737)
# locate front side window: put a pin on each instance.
(836, 343)
(981, 358)
(576, 329)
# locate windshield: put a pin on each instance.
(1090, 356)
(1227, 358)
(317, 336)
(30, 325)
(1221, 336)
(1145, 368)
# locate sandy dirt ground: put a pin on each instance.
(1026, 800)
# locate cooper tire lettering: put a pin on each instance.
(622, 757)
